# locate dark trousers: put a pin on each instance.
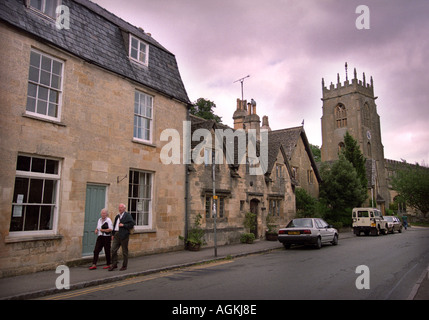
(118, 242)
(102, 242)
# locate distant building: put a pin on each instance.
(350, 106)
(290, 165)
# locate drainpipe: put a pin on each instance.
(186, 157)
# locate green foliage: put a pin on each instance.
(354, 155)
(250, 221)
(271, 226)
(412, 183)
(196, 233)
(341, 190)
(306, 205)
(247, 238)
(204, 108)
(317, 155)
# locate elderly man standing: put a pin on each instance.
(121, 234)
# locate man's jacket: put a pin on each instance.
(128, 222)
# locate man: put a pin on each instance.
(121, 234)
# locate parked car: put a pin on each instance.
(368, 221)
(305, 231)
(393, 224)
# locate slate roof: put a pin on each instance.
(288, 138)
(99, 37)
(284, 140)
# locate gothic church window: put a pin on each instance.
(365, 112)
(341, 116)
(341, 146)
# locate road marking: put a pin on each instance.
(400, 280)
(131, 281)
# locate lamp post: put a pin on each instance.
(214, 200)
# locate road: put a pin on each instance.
(394, 262)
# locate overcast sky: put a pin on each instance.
(287, 47)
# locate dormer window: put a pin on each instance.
(47, 7)
(139, 50)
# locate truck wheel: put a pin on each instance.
(375, 231)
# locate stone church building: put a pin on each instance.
(350, 106)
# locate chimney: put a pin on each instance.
(265, 124)
(239, 114)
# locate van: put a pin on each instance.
(368, 221)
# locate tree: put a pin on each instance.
(316, 152)
(354, 155)
(412, 183)
(204, 108)
(305, 203)
(341, 190)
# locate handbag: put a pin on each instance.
(106, 226)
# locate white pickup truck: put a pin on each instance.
(368, 221)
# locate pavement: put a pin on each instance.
(40, 284)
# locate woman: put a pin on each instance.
(104, 230)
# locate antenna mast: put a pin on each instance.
(347, 78)
(241, 81)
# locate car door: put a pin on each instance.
(324, 233)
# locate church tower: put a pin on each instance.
(350, 106)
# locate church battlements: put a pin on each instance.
(348, 87)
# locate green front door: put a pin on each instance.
(95, 201)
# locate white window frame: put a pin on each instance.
(139, 116)
(40, 85)
(42, 9)
(140, 52)
(139, 199)
(44, 176)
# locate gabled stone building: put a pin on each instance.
(290, 164)
(82, 109)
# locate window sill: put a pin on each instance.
(30, 116)
(145, 143)
(138, 231)
(15, 238)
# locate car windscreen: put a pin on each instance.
(300, 223)
(388, 218)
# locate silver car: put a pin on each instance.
(314, 231)
(393, 224)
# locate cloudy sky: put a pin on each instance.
(287, 47)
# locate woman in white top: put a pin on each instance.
(104, 230)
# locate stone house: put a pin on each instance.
(238, 190)
(82, 110)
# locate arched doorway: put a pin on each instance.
(254, 208)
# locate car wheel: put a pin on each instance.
(286, 245)
(335, 240)
(319, 243)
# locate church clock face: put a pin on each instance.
(368, 135)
